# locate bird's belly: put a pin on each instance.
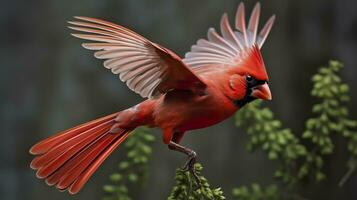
(202, 120)
(189, 114)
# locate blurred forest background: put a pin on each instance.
(50, 83)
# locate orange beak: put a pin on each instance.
(262, 92)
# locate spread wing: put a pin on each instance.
(221, 51)
(147, 68)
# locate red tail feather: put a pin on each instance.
(69, 158)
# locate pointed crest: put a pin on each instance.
(252, 63)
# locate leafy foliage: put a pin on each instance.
(187, 188)
(132, 170)
(266, 133)
(304, 158)
(256, 192)
(331, 117)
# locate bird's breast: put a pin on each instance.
(183, 110)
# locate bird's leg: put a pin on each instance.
(191, 160)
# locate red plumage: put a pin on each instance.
(216, 78)
(69, 158)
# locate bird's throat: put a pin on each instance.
(247, 99)
(241, 102)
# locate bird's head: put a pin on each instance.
(251, 79)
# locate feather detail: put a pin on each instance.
(69, 158)
(228, 33)
(265, 31)
(232, 46)
(240, 22)
(134, 57)
(253, 23)
(47, 144)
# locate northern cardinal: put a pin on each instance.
(216, 78)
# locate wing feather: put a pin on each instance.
(240, 22)
(137, 71)
(253, 24)
(147, 68)
(228, 33)
(217, 39)
(265, 31)
(103, 46)
(148, 75)
(231, 46)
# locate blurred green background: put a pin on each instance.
(50, 83)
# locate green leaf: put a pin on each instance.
(133, 169)
(272, 155)
(115, 177)
(124, 165)
(186, 184)
(109, 188)
(320, 176)
(132, 177)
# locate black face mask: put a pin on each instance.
(251, 83)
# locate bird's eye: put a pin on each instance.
(249, 78)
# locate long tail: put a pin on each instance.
(69, 158)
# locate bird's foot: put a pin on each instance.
(191, 160)
(190, 166)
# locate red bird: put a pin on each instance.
(216, 78)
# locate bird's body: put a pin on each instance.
(214, 80)
(179, 111)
